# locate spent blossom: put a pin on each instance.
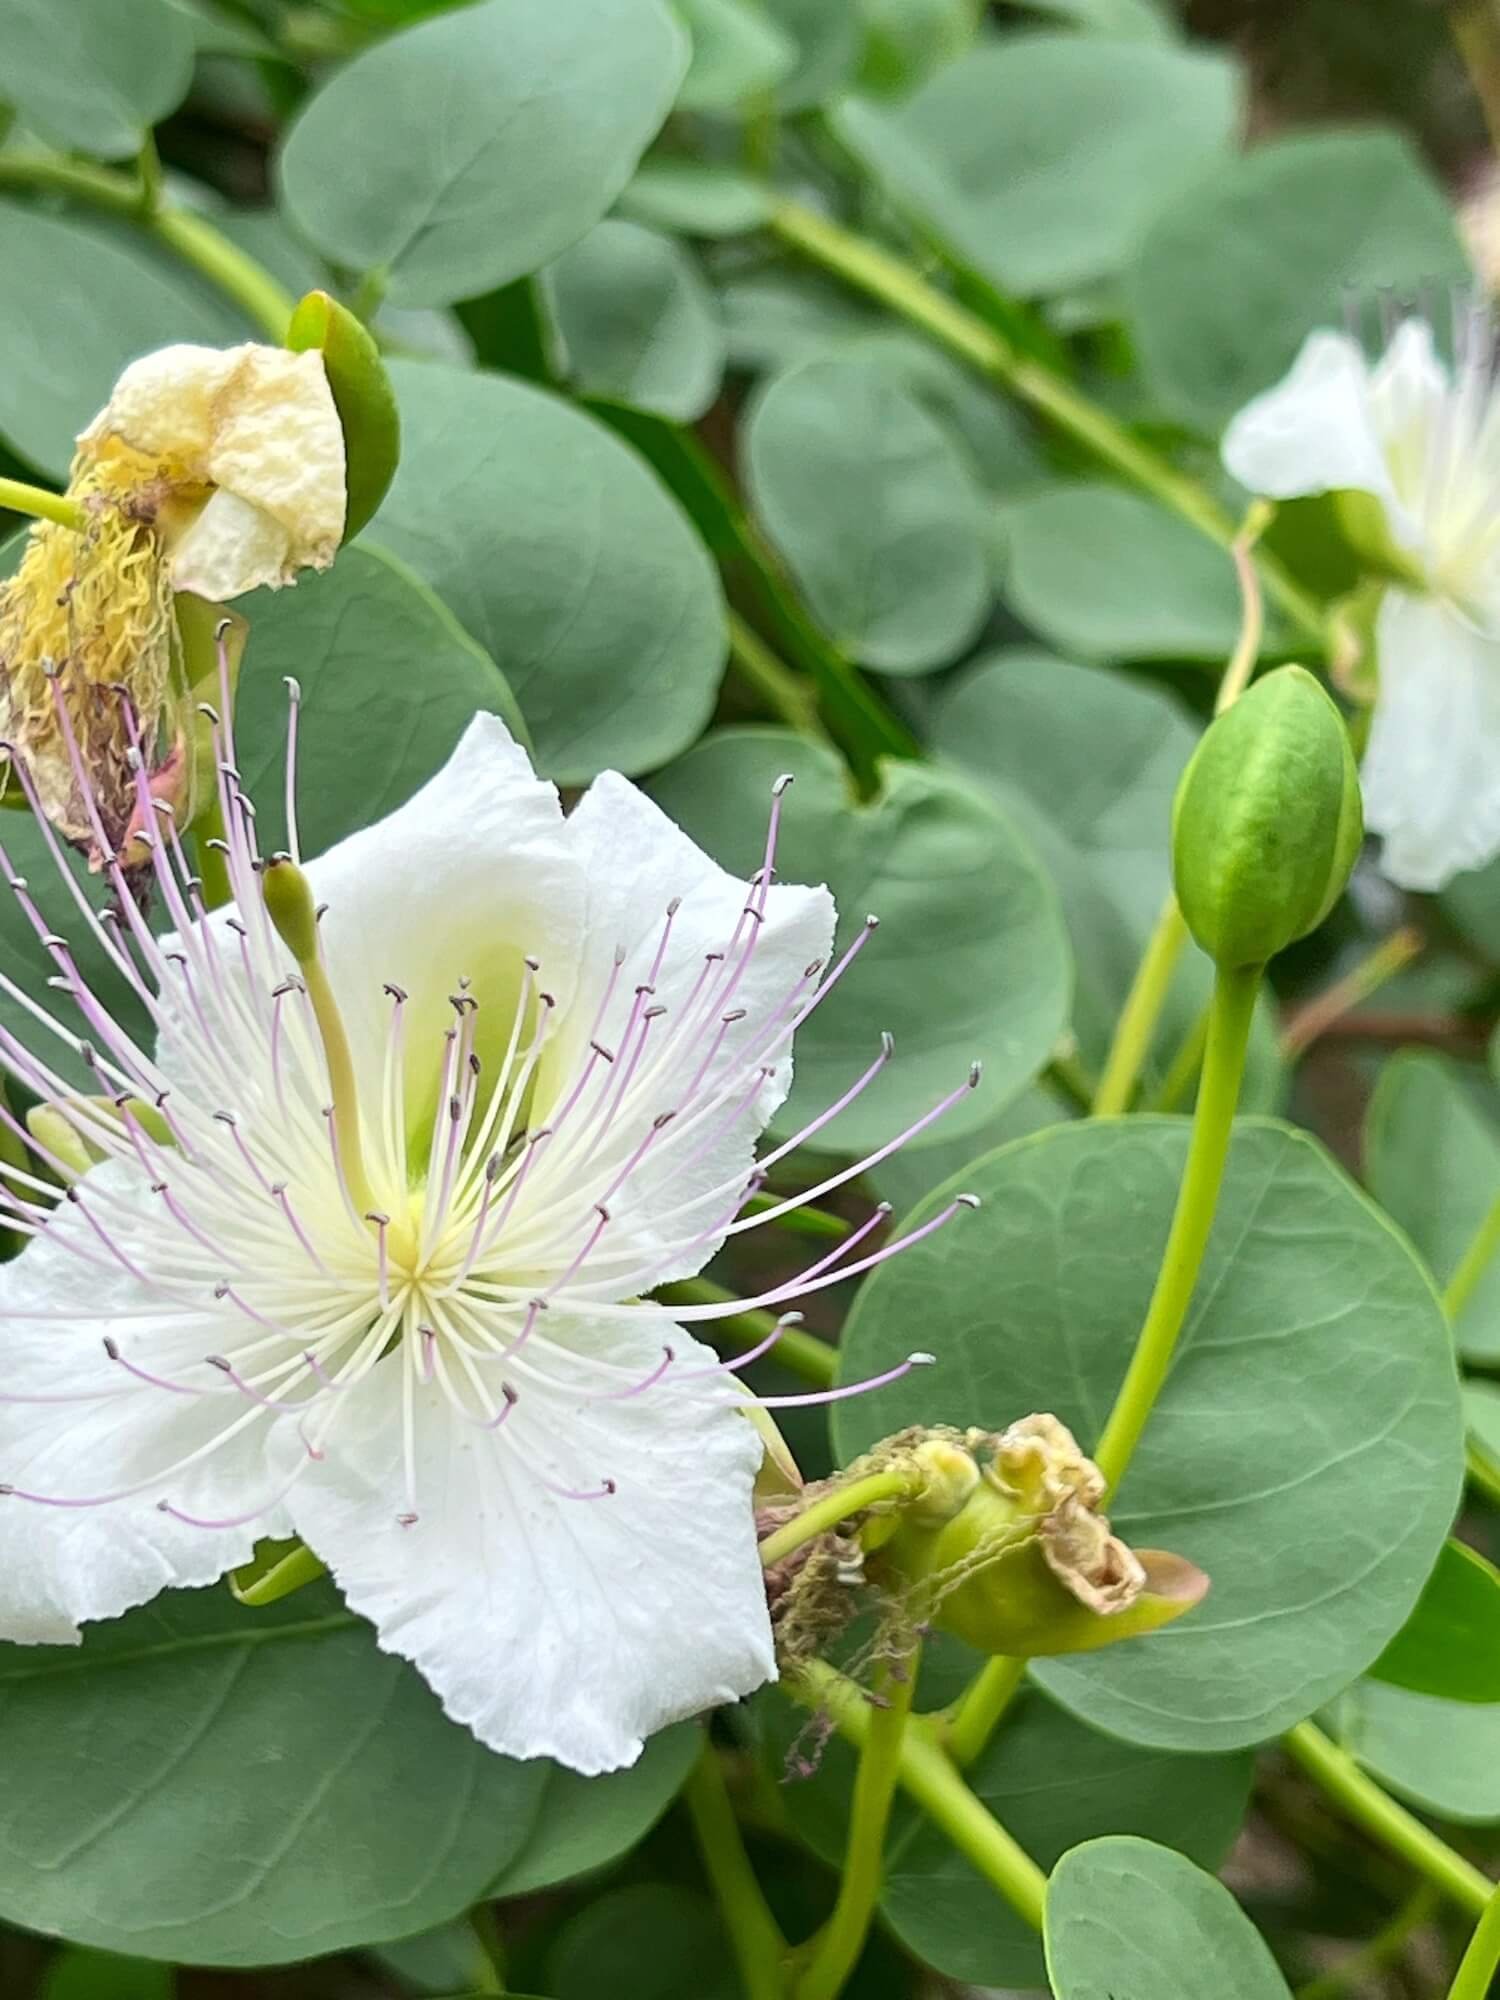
(209, 471)
(363, 1251)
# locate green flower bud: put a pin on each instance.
(1017, 1559)
(363, 397)
(1267, 821)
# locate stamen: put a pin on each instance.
(802, 1402)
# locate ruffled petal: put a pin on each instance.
(230, 548)
(259, 424)
(566, 1627)
(1315, 432)
(1431, 772)
(635, 861)
(62, 1565)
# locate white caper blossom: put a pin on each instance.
(1423, 441)
(362, 1252)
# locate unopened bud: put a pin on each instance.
(1267, 821)
(363, 397)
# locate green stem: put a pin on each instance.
(800, 1221)
(42, 505)
(778, 687)
(813, 1359)
(1392, 955)
(1474, 1262)
(191, 237)
(1383, 1949)
(829, 1509)
(1142, 1010)
(1176, 1086)
(754, 1936)
(837, 1950)
(927, 1775)
(880, 275)
(1335, 1772)
(1192, 1220)
(981, 1706)
(1481, 1961)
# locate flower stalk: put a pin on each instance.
(754, 1936)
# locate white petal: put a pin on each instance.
(461, 882)
(60, 1566)
(1431, 773)
(1314, 432)
(635, 861)
(230, 548)
(164, 403)
(567, 1628)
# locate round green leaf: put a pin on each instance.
(1087, 761)
(1111, 575)
(114, 301)
(1443, 1756)
(389, 681)
(969, 962)
(1241, 268)
(93, 76)
(1450, 1645)
(562, 555)
(638, 321)
(1432, 1160)
(1041, 159)
(1306, 1449)
(1126, 1916)
(875, 510)
(474, 147)
(827, 42)
(739, 53)
(210, 1784)
(670, 1938)
(693, 199)
(585, 1823)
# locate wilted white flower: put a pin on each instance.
(1423, 441)
(210, 470)
(363, 1251)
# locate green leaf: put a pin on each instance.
(875, 510)
(1306, 1448)
(443, 1963)
(1051, 1782)
(473, 148)
(1432, 1160)
(1241, 268)
(906, 40)
(100, 1975)
(78, 302)
(689, 198)
(1127, 1917)
(739, 54)
(201, 1782)
(1124, 20)
(1111, 575)
(371, 731)
(827, 42)
(1087, 761)
(92, 76)
(1443, 1756)
(907, 1176)
(1450, 1645)
(1041, 159)
(586, 1823)
(670, 1938)
(969, 960)
(638, 320)
(777, 319)
(559, 551)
